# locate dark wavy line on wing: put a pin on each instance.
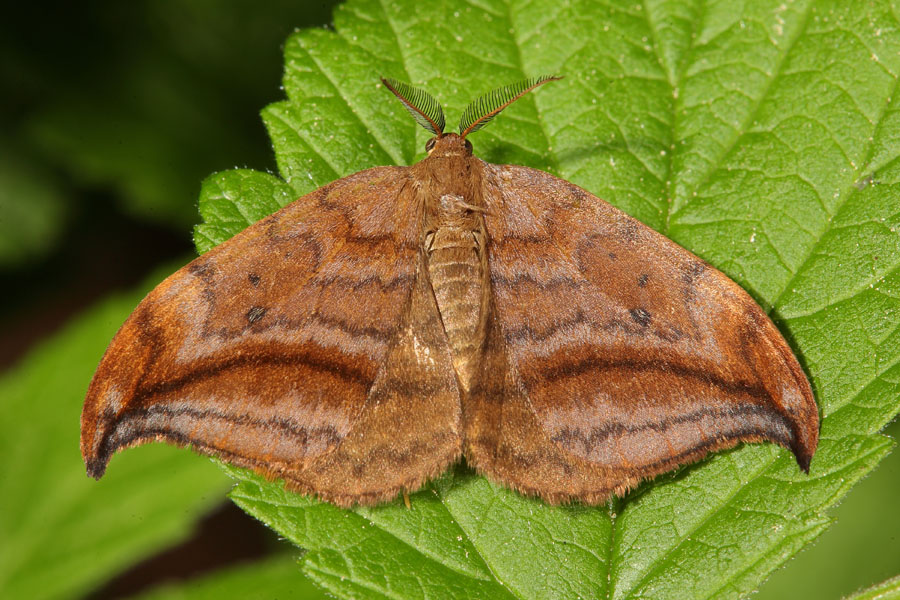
(598, 435)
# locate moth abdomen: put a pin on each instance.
(458, 274)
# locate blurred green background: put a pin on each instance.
(112, 114)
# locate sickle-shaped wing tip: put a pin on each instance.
(804, 446)
(109, 394)
(96, 467)
(803, 461)
(94, 449)
(799, 405)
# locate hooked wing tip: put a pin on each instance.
(94, 452)
(806, 439)
(803, 447)
(804, 457)
(96, 467)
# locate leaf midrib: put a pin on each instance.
(738, 132)
(848, 192)
(672, 210)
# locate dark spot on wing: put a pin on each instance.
(692, 271)
(256, 313)
(641, 316)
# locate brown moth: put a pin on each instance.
(366, 336)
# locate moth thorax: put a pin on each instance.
(457, 268)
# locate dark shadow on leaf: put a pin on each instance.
(505, 154)
(788, 335)
(599, 150)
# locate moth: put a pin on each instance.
(368, 335)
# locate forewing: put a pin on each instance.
(631, 355)
(409, 428)
(265, 350)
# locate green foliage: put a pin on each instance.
(886, 590)
(763, 138)
(32, 210)
(63, 533)
(145, 98)
(273, 578)
(861, 548)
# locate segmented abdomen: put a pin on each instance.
(458, 280)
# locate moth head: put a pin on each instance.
(449, 144)
(428, 112)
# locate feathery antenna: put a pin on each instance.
(420, 104)
(480, 112)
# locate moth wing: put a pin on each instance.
(271, 349)
(409, 429)
(625, 355)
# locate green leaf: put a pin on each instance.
(232, 199)
(62, 532)
(763, 136)
(32, 209)
(148, 110)
(859, 549)
(886, 590)
(277, 577)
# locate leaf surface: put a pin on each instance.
(886, 590)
